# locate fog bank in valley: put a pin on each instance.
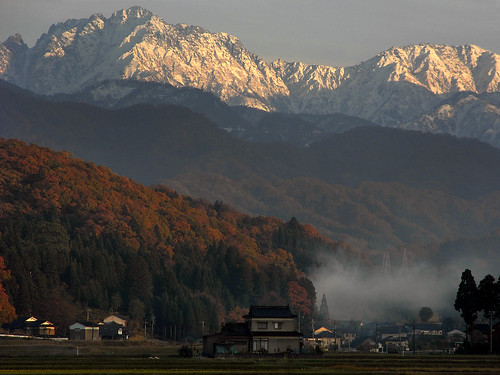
(375, 294)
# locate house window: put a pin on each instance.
(278, 325)
(261, 325)
(260, 345)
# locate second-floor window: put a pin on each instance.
(278, 325)
(261, 325)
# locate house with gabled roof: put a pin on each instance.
(84, 331)
(268, 329)
(117, 319)
(113, 331)
(30, 326)
(233, 338)
(273, 329)
(44, 328)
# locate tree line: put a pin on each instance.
(77, 238)
(473, 299)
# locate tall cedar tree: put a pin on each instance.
(488, 296)
(467, 301)
(497, 304)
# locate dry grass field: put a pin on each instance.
(136, 357)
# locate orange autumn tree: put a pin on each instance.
(7, 311)
(236, 315)
(299, 298)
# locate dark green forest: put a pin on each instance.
(78, 238)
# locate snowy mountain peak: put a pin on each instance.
(392, 87)
(442, 69)
(132, 13)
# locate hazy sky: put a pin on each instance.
(331, 32)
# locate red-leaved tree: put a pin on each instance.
(299, 298)
(7, 311)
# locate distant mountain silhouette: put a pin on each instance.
(380, 186)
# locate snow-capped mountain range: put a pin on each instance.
(410, 86)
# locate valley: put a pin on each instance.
(165, 170)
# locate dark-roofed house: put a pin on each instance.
(112, 331)
(273, 329)
(22, 325)
(30, 326)
(268, 329)
(86, 331)
(233, 338)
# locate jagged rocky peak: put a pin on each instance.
(132, 13)
(393, 87)
(15, 42)
(11, 52)
(441, 68)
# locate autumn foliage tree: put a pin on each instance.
(236, 315)
(299, 298)
(7, 311)
(76, 233)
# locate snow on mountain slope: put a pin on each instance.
(394, 87)
(135, 44)
(465, 115)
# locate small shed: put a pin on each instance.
(45, 328)
(84, 331)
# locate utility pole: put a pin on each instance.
(400, 338)
(414, 349)
(491, 332)
(153, 319)
(335, 333)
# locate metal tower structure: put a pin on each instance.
(405, 261)
(386, 268)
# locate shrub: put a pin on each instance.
(185, 351)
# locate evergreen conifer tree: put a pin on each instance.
(467, 301)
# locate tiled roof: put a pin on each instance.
(88, 324)
(276, 334)
(235, 329)
(269, 312)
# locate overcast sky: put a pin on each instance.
(331, 32)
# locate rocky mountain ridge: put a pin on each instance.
(393, 88)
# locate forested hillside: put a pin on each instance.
(76, 236)
(377, 188)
